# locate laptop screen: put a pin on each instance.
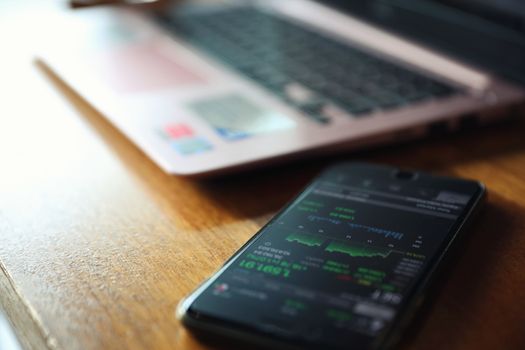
(485, 33)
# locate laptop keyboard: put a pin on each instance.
(310, 71)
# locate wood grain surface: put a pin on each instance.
(98, 245)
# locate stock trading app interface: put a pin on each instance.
(339, 260)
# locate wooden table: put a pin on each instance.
(98, 245)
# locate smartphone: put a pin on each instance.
(344, 265)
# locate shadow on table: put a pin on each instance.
(275, 186)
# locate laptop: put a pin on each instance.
(210, 87)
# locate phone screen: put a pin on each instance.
(337, 265)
